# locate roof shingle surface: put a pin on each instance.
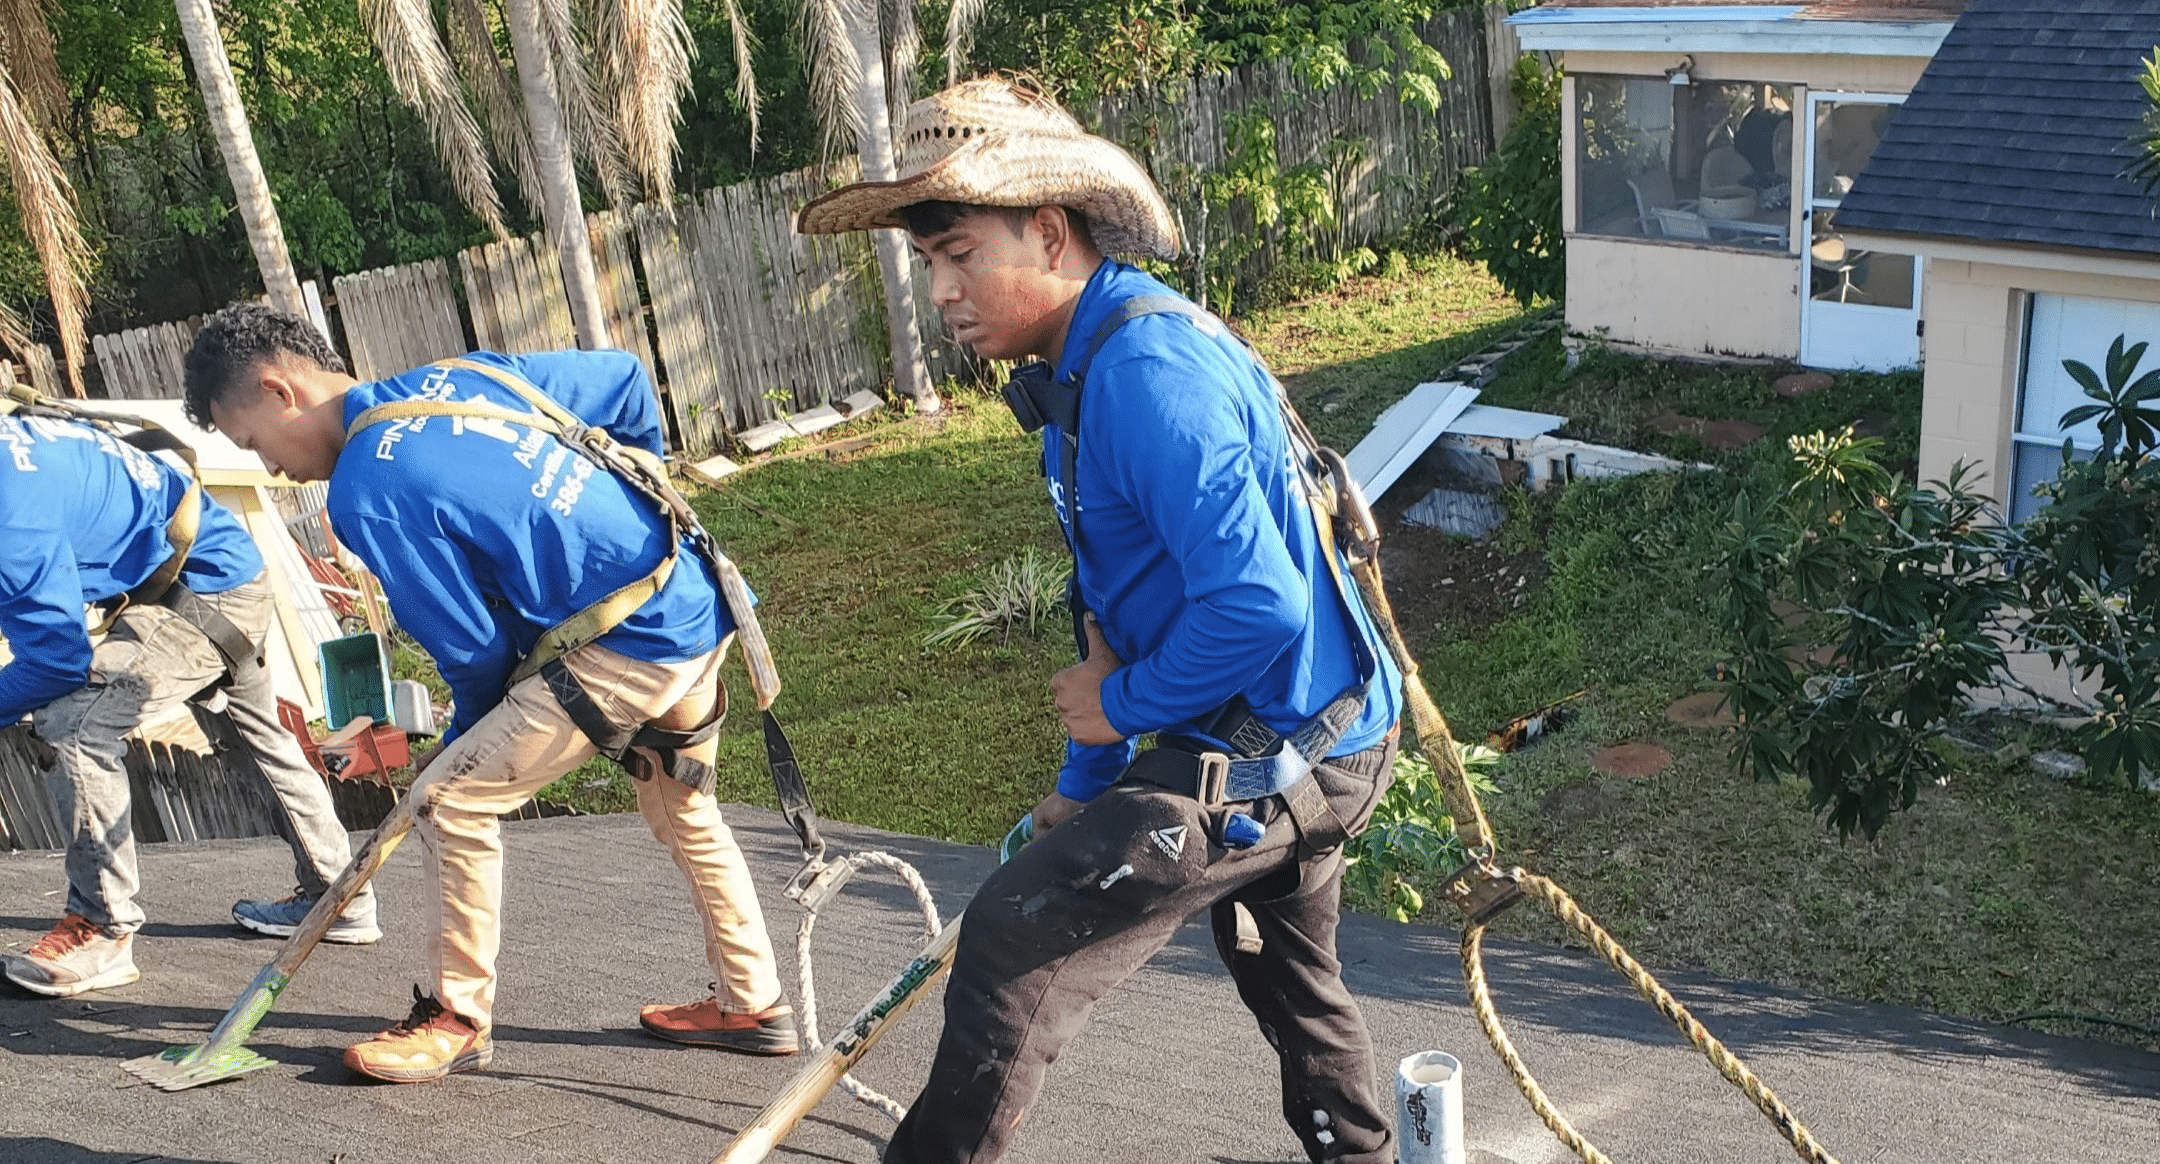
(2019, 131)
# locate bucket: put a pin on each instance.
(1428, 1109)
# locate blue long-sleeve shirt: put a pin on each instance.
(82, 519)
(1196, 550)
(485, 534)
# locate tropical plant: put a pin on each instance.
(1509, 207)
(236, 144)
(1907, 601)
(600, 84)
(32, 101)
(1016, 594)
(1411, 834)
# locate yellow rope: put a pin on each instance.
(1728, 1064)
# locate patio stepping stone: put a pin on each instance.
(1634, 761)
(1800, 384)
(1718, 434)
(1704, 709)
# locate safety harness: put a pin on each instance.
(1261, 761)
(163, 586)
(647, 749)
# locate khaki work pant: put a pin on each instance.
(526, 743)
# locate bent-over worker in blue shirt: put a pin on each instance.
(486, 534)
(85, 518)
(1217, 622)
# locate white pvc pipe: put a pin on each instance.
(1428, 1109)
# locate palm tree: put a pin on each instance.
(229, 122)
(610, 100)
(851, 97)
(32, 101)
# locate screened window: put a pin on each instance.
(1708, 162)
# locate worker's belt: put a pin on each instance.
(1263, 762)
(644, 750)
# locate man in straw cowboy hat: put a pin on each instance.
(1217, 621)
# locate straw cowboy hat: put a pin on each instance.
(992, 143)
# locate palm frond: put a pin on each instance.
(14, 330)
(419, 68)
(745, 79)
(903, 50)
(959, 30)
(26, 49)
(835, 70)
(594, 135)
(50, 220)
(494, 92)
(643, 52)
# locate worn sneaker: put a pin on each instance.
(428, 1043)
(281, 917)
(76, 956)
(703, 1024)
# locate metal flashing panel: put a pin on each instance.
(1488, 420)
(1404, 432)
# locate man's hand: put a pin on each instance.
(1077, 691)
(1054, 810)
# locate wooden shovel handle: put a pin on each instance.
(825, 1067)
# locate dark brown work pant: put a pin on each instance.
(1082, 907)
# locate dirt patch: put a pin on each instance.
(1581, 801)
(1435, 578)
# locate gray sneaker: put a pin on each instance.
(281, 917)
(76, 956)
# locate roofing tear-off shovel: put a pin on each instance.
(223, 1056)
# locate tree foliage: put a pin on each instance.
(1922, 596)
(1510, 206)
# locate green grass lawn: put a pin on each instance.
(2001, 893)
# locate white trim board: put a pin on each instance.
(1404, 432)
(1515, 424)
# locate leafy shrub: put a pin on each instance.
(1020, 593)
(1411, 833)
(1510, 206)
(1922, 594)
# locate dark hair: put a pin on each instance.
(929, 219)
(238, 339)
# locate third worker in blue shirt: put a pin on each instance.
(486, 533)
(1217, 621)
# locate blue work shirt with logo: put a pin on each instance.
(486, 533)
(82, 519)
(1196, 549)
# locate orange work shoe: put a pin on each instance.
(427, 1044)
(703, 1024)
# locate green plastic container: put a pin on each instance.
(356, 680)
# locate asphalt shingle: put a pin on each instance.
(2020, 131)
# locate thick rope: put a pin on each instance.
(1729, 1065)
(806, 987)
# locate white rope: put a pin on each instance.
(856, 862)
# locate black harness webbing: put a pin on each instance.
(1261, 761)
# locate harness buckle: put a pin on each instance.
(1482, 891)
(1213, 780)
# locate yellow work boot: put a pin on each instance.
(428, 1044)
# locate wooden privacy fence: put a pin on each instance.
(1387, 164)
(741, 320)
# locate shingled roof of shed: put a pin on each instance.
(2019, 132)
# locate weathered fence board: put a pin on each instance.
(144, 363)
(398, 318)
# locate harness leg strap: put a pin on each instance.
(645, 750)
